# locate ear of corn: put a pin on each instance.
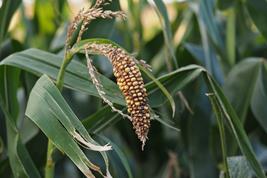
(131, 84)
(127, 73)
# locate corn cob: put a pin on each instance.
(131, 84)
(125, 69)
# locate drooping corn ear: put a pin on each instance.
(127, 73)
(99, 87)
(131, 84)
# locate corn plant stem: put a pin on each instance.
(231, 36)
(50, 163)
(65, 63)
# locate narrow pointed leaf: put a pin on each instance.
(236, 127)
(79, 47)
(207, 16)
(243, 75)
(258, 11)
(167, 32)
(19, 158)
(122, 157)
(162, 88)
(7, 10)
(40, 62)
(49, 111)
(259, 97)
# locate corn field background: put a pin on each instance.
(62, 114)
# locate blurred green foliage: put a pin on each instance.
(196, 48)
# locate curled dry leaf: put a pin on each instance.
(90, 145)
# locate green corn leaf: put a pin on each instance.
(7, 10)
(173, 81)
(259, 96)
(19, 158)
(236, 126)
(79, 47)
(49, 111)
(219, 116)
(101, 119)
(40, 62)
(167, 32)
(239, 167)
(243, 75)
(258, 11)
(162, 88)
(121, 155)
(206, 16)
